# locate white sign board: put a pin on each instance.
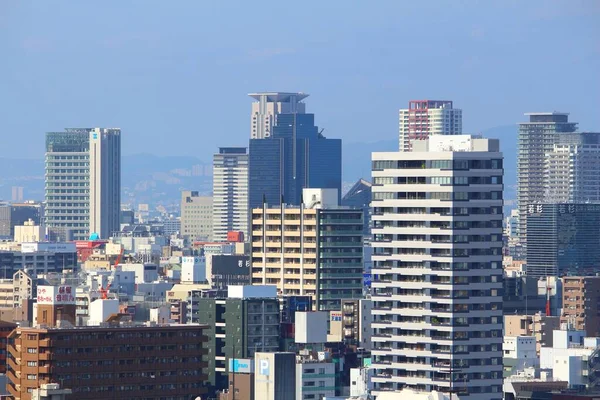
(55, 295)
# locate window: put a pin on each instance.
(31, 377)
(32, 350)
(32, 363)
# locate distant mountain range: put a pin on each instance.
(158, 180)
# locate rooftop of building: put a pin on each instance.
(279, 96)
(111, 327)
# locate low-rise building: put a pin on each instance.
(519, 352)
(315, 377)
(573, 358)
(242, 324)
(538, 325)
(581, 304)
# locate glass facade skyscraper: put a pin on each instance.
(294, 157)
(563, 239)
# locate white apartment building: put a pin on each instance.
(268, 105)
(572, 173)
(428, 117)
(230, 192)
(437, 268)
(196, 216)
(83, 182)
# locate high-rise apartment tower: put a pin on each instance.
(537, 138)
(428, 117)
(437, 268)
(83, 182)
(230, 192)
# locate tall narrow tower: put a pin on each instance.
(83, 182)
(437, 268)
(105, 181)
(537, 138)
(230, 192)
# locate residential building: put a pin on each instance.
(5, 329)
(428, 117)
(243, 323)
(581, 304)
(83, 182)
(315, 377)
(275, 376)
(563, 239)
(352, 324)
(572, 169)
(122, 362)
(295, 156)
(537, 325)
(284, 252)
(270, 104)
(230, 192)
(196, 216)
(359, 196)
(437, 268)
(537, 138)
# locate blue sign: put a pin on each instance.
(367, 280)
(94, 136)
(240, 365)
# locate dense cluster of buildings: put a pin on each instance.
(418, 284)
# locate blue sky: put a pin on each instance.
(174, 74)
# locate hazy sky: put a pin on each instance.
(174, 74)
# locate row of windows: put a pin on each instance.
(438, 180)
(129, 335)
(437, 164)
(134, 388)
(492, 195)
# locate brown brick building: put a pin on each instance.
(5, 329)
(121, 362)
(581, 303)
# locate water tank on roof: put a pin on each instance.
(94, 236)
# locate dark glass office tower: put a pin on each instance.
(563, 239)
(294, 157)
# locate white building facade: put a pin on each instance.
(437, 268)
(196, 216)
(83, 182)
(230, 192)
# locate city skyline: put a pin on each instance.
(152, 92)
